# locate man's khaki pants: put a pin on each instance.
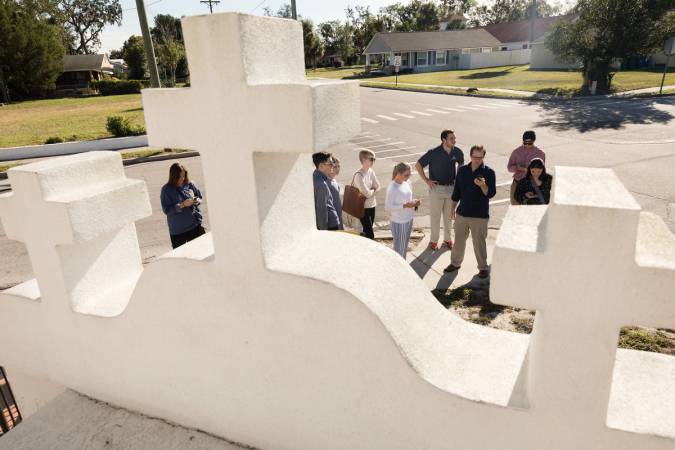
(479, 230)
(440, 205)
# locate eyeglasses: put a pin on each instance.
(372, 159)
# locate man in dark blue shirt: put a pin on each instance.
(474, 187)
(443, 162)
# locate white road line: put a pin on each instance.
(401, 156)
(395, 149)
(407, 116)
(503, 105)
(371, 140)
(365, 119)
(421, 113)
(452, 109)
(385, 117)
(437, 111)
(470, 107)
(384, 145)
(484, 106)
(497, 202)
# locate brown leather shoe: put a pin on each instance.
(484, 273)
(451, 268)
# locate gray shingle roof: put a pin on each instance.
(77, 63)
(431, 40)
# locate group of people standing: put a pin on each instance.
(458, 193)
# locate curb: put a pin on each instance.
(125, 162)
(69, 148)
(533, 98)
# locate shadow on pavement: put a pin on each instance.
(588, 115)
(422, 264)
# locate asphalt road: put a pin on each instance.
(634, 137)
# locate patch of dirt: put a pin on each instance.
(475, 306)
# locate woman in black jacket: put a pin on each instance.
(535, 188)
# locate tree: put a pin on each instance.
(285, 11)
(170, 53)
(503, 11)
(133, 52)
(31, 54)
(609, 30)
(338, 40)
(167, 36)
(414, 16)
(365, 25)
(85, 20)
(312, 43)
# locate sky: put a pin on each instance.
(318, 10)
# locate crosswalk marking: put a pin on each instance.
(503, 105)
(407, 116)
(452, 109)
(384, 145)
(400, 156)
(371, 140)
(472, 108)
(484, 106)
(365, 119)
(421, 113)
(395, 149)
(437, 111)
(385, 117)
(496, 202)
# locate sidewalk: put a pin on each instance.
(429, 264)
(464, 88)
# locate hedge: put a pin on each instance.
(119, 87)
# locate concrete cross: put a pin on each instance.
(76, 216)
(248, 94)
(576, 262)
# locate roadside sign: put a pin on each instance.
(397, 63)
(669, 47)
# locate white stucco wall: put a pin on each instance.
(266, 341)
(543, 58)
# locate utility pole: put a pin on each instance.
(533, 14)
(294, 11)
(147, 40)
(210, 3)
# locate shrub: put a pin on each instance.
(120, 126)
(54, 140)
(119, 87)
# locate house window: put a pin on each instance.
(470, 50)
(404, 60)
(440, 58)
(431, 57)
(421, 58)
(504, 49)
(485, 50)
(525, 46)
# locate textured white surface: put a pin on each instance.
(270, 338)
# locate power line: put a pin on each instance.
(149, 4)
(259, 5)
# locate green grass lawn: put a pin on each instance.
(514, 77)
(329, 72)
(32, 122)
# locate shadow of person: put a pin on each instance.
(425, 260)
(586, 115)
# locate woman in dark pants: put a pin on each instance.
(535, 188)
(366, 181)
(180, 202)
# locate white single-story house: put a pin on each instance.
(429, 50)
(469, 48)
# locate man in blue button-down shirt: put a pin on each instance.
(474, 187)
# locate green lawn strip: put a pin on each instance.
(440, 90)
(329, 72)
(520, 78)
(33, 122)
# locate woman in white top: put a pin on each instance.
(401, 205)
(366, 181)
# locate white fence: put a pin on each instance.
(494, 59)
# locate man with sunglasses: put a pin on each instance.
(327, 217)
(520, 160)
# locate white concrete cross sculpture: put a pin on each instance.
(248, 94)
(76, 216)
(589, 264)
(295, 338)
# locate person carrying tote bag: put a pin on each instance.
(369, 185)
(354, 201)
